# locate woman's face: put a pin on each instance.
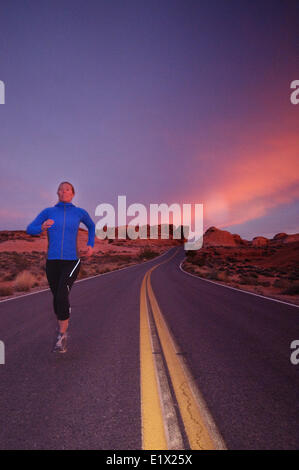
(65, 193)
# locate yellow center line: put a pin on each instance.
(199, 426)
(153, 435)
(153, 430)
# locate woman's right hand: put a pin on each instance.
(47, 224)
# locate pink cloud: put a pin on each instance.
(253, 182)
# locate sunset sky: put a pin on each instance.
(173, 101)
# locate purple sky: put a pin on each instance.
(174, 101)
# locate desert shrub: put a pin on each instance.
(200, 261)
(213, 275)
(24, 281)
(209, 264)
(190, 253)
(5, 290)
(82, 273)
(42, 280)
(9, 277)
(124, 257)
(106, 270)
(147, 253)
(265, 284)
(222, 276)
(240, 271)
(281, 284)
(270, 274)
(216, 275)
(232, 268)
(249, 280)
(257, 290)
(282, 271)
(20, 261)
(292, 290)
(97, 269)
(191, 270)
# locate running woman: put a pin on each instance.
(63, 264)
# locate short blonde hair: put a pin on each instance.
(66, 182)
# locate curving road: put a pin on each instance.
(237, 346)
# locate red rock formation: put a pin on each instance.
(285, 238)
(279, 236)
(260, 241)
(291, 238)
(216, 237)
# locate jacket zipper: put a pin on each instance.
(63, 233)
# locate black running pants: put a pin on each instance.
(61, 275)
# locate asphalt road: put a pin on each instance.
(237, 346)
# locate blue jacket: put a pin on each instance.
(62, 235)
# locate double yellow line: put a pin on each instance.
(160, 428)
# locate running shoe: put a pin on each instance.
(60, 345)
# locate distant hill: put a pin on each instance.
(216, 237)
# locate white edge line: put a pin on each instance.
(91, 277)
(24, 295)
(234, 288)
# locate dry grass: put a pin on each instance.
(292, 289)
(257, 270)
(6, 290)
(25, 281)
(22, 264)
